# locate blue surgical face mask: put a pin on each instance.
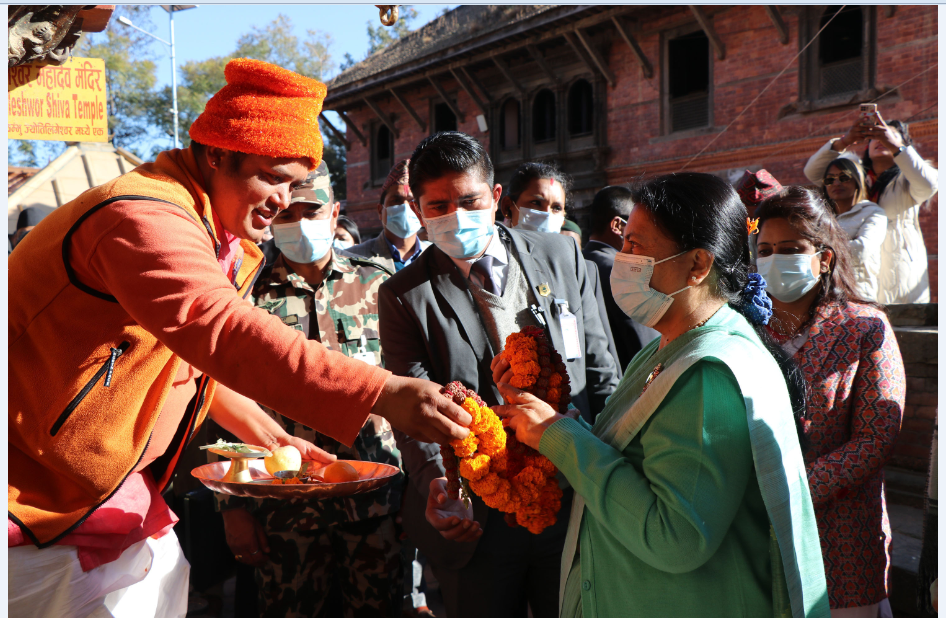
(630, 286)
(463, 233)
(304, 241)
(341, 245)
(787, 277)
(401, 221)
(539, 221)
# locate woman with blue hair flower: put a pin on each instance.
(690, 491)
(847, 351)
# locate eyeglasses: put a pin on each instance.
(842, 177)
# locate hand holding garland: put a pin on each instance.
(526, 414)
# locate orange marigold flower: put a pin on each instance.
(498, 462)
(546, 466)
(486, 484)
(554, 395)
(531, 476)
(555, 380)
(493, 441)
(500, 498)
(526, 368)
(466, 446)
(519, 356)
(475, 467)
(522, 382)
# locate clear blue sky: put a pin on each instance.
(213, 29)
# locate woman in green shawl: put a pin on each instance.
(690, 491)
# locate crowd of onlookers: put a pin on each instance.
(831, 254)
(462, 261)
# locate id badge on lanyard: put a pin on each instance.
(569, 325)
(363, 354)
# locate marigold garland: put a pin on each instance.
(506, 474)
(537, 367)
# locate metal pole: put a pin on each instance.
(177, 141)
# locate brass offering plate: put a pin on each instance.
(259, 483)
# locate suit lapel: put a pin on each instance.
(381, 247)
(535, 272)
(447, 283)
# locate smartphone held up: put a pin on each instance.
(869, 114)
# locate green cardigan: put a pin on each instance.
(675, 522)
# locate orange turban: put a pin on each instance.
(265, 110)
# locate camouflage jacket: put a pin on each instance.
(342, 313)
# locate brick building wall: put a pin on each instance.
(771, 134)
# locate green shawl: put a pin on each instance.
(779, 466)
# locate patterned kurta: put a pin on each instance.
(343, 314)
(857, 388)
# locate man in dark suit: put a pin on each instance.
(445, 317)
(609, 211)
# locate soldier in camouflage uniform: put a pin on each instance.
(318, 548)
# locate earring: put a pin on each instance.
(693, 279)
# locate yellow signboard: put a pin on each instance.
(65, 103)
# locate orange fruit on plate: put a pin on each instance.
(340, 472)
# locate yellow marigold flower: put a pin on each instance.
(475, 467)
(482, 417)
(493, 441)
(470, 405)
(466, 446)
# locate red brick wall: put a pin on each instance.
(363, 194)
(906, 46)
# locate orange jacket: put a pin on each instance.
(91, 362)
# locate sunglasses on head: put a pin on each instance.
(842, 177)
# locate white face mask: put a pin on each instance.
(304, 241)
(630, 286)
(401, 221)
(539, 221)
(788, 277)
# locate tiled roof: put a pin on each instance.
(459, 26)
(16, 176)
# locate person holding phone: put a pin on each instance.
(901, 181)
(863, 221)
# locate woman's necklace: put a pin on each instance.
(792, 331)
(660, 366)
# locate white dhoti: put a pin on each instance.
(150, 579)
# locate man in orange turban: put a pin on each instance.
(129, 324)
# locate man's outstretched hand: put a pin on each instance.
(451, 518)
(419, 409)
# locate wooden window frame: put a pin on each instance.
(809, 73)
(378, 176)
(665, 117)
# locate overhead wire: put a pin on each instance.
(837, 122)
(774, 79)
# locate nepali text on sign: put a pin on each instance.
(64, 103)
